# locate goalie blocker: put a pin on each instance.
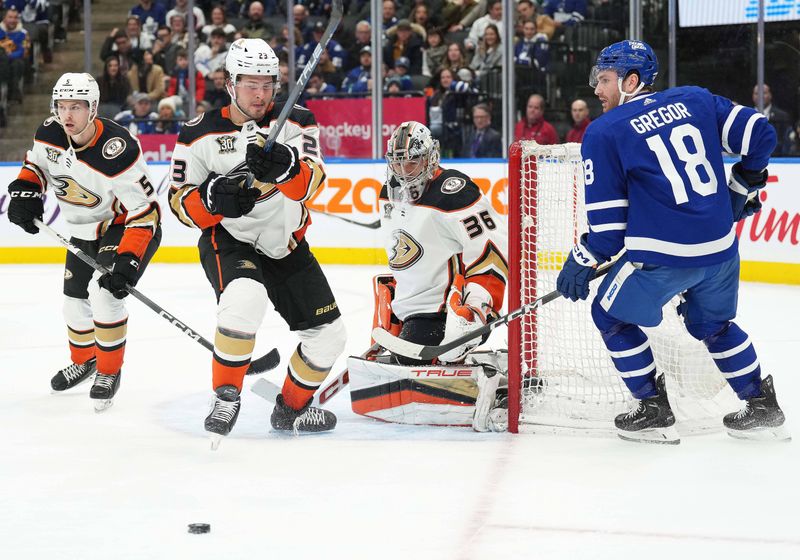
(470, 394)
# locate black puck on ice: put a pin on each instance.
(199, 528)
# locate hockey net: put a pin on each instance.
(560, 376)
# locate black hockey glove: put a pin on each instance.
(280, 164)
(124, 272)
(26, 204)
(744, 187)
(227, 196)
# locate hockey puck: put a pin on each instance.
(199, 528)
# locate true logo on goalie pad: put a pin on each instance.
(406, 251)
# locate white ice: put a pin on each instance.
(126, 483)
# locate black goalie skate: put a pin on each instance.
(223, 415)
(650, 421)
(103, 391)
(308, 419)
(73, 374)
(761, 417)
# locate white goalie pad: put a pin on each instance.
(438, 395)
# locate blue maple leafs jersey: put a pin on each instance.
(654, 178)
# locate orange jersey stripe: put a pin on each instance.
(198, 213)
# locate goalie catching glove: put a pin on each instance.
(278, 165)
(227, 196)
(744, 186)
(467, 310)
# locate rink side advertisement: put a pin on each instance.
(769, 241)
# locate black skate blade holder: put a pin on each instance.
(269, 361)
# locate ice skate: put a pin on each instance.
(650, 421)
(72, 375)
(223, 415)
(103, 391)
(308, 419)
(760, 419)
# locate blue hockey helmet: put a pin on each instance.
(626, 57)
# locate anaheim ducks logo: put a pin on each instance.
(68, 190)
(406, 250)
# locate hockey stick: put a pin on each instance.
(370, 225)
(267, 390)
(397, 345)
(262, 364)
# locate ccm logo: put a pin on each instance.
(189, 332)
(442, 372)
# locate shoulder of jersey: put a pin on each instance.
(450, 191)
(203, 124)
(298, 114)
(50, 132)
(114, 152)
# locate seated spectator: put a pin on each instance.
(317, 87)
(336, 53)
(179, 80)
(301, 22)
(131, 119)
(151, 15)
(14, 41)
(182, 8)
(493, 17)
(489, 54)
(433, 55)
(421, 20)
(209, 57)
(458, 15)
(533, 49)
(147, 77)
(580, 116)
(778, 118)
(165, 51)
(484, 141)
(455, 59)
(256, 27)
(360, 79)
(445, 110)
(119, 45)
(168, 113)
(177, 26)
(140, 39)
(330, 72)
(114, 89)
(405, 43)
(401, 74)
(218, 21)
(526, 10)
(363, 39)
(565, 12)
(280, 42)
(217, 95)
(533, 125)
(415, 28)
(35, 16)
(389, 14)
(202, 107)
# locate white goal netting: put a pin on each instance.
(566, 379)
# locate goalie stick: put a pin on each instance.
(397, 345)
(267, 390)
(369, 225)
(261, 365)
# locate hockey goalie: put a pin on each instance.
(446, 249)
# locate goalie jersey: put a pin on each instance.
(452, 229)
(102, 183)
(213, 143)
(655, 162)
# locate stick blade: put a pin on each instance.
(397, 345)
(265, 363)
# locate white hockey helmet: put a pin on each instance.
(413, 158)
(252, 57)
(78, 86)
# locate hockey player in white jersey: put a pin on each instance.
(446, 247)
(96, 171)
(656, 187)
(252, 245)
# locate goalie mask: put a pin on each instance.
(74, 86)
(251, 57)
(413, 158)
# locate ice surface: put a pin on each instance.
(126, 483)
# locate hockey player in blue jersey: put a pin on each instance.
(655, 186)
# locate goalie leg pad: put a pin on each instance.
(420, 395)
(80, 329)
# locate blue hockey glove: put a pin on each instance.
(578, 271)
(744, 186)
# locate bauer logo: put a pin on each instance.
(326, 309)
